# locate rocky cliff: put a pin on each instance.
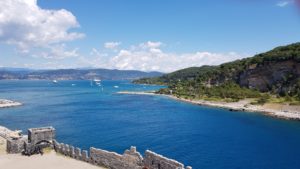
(277, 76)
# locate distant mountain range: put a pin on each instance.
(7, 73)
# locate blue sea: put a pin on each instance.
(86, 115)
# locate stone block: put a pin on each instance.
(78, 154)
(85, 156)
(15, 146)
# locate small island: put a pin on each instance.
(8, 103)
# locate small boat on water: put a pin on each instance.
(116, 86)
(97, 80)
(55, 81)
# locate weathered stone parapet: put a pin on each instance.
(55, 145)
(15, 146)
(62, 148)
(39, 138)
(67, 150)
(72, 151)
(133, 156)
(130, 159)
(35, 135)
(114, 160)
(85, 156)
(156, 161)
(78, 154)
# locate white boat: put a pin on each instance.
(97, 80)
(98, 83)
(116, 86)
(55, 81)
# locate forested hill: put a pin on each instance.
(275, 72)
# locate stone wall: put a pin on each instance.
(71, 151)
(130, 159)
(156, 161)
(36, 135)
(15, 146)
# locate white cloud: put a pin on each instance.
(151, 45)
(58, 51)
(149, 57)
(285, 3)
(112, 45)
(24, 24)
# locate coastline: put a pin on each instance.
(8, 103)
(270, 109)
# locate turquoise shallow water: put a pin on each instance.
(202, 137)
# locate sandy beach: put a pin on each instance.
(8, 103)
(271, 109)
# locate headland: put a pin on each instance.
(283, 111)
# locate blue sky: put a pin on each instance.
(149, 35)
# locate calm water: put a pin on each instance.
(202, 137)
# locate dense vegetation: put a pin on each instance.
(277, 72)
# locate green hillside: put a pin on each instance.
(275, 73)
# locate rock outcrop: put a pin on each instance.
(279, 76)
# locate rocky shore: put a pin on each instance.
(8, 103)
(271, 109)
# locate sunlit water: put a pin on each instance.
(202, 137)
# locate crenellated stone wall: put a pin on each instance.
(130, 159)
(70, 151)
(156, 161)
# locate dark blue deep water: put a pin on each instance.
(203, 137)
